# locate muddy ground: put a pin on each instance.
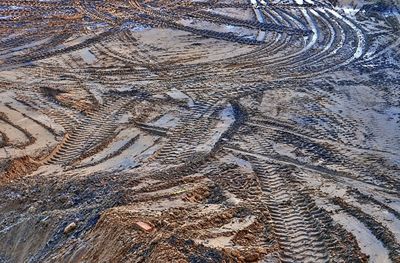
(199, 131)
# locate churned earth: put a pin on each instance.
(199, 131)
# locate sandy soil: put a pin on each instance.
(199, 131)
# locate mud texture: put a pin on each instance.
(199, 131)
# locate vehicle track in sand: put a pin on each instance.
(199, 131)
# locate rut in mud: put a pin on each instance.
(199, 131)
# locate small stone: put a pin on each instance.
(146, 227)
(71, 227)
(31, 209)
